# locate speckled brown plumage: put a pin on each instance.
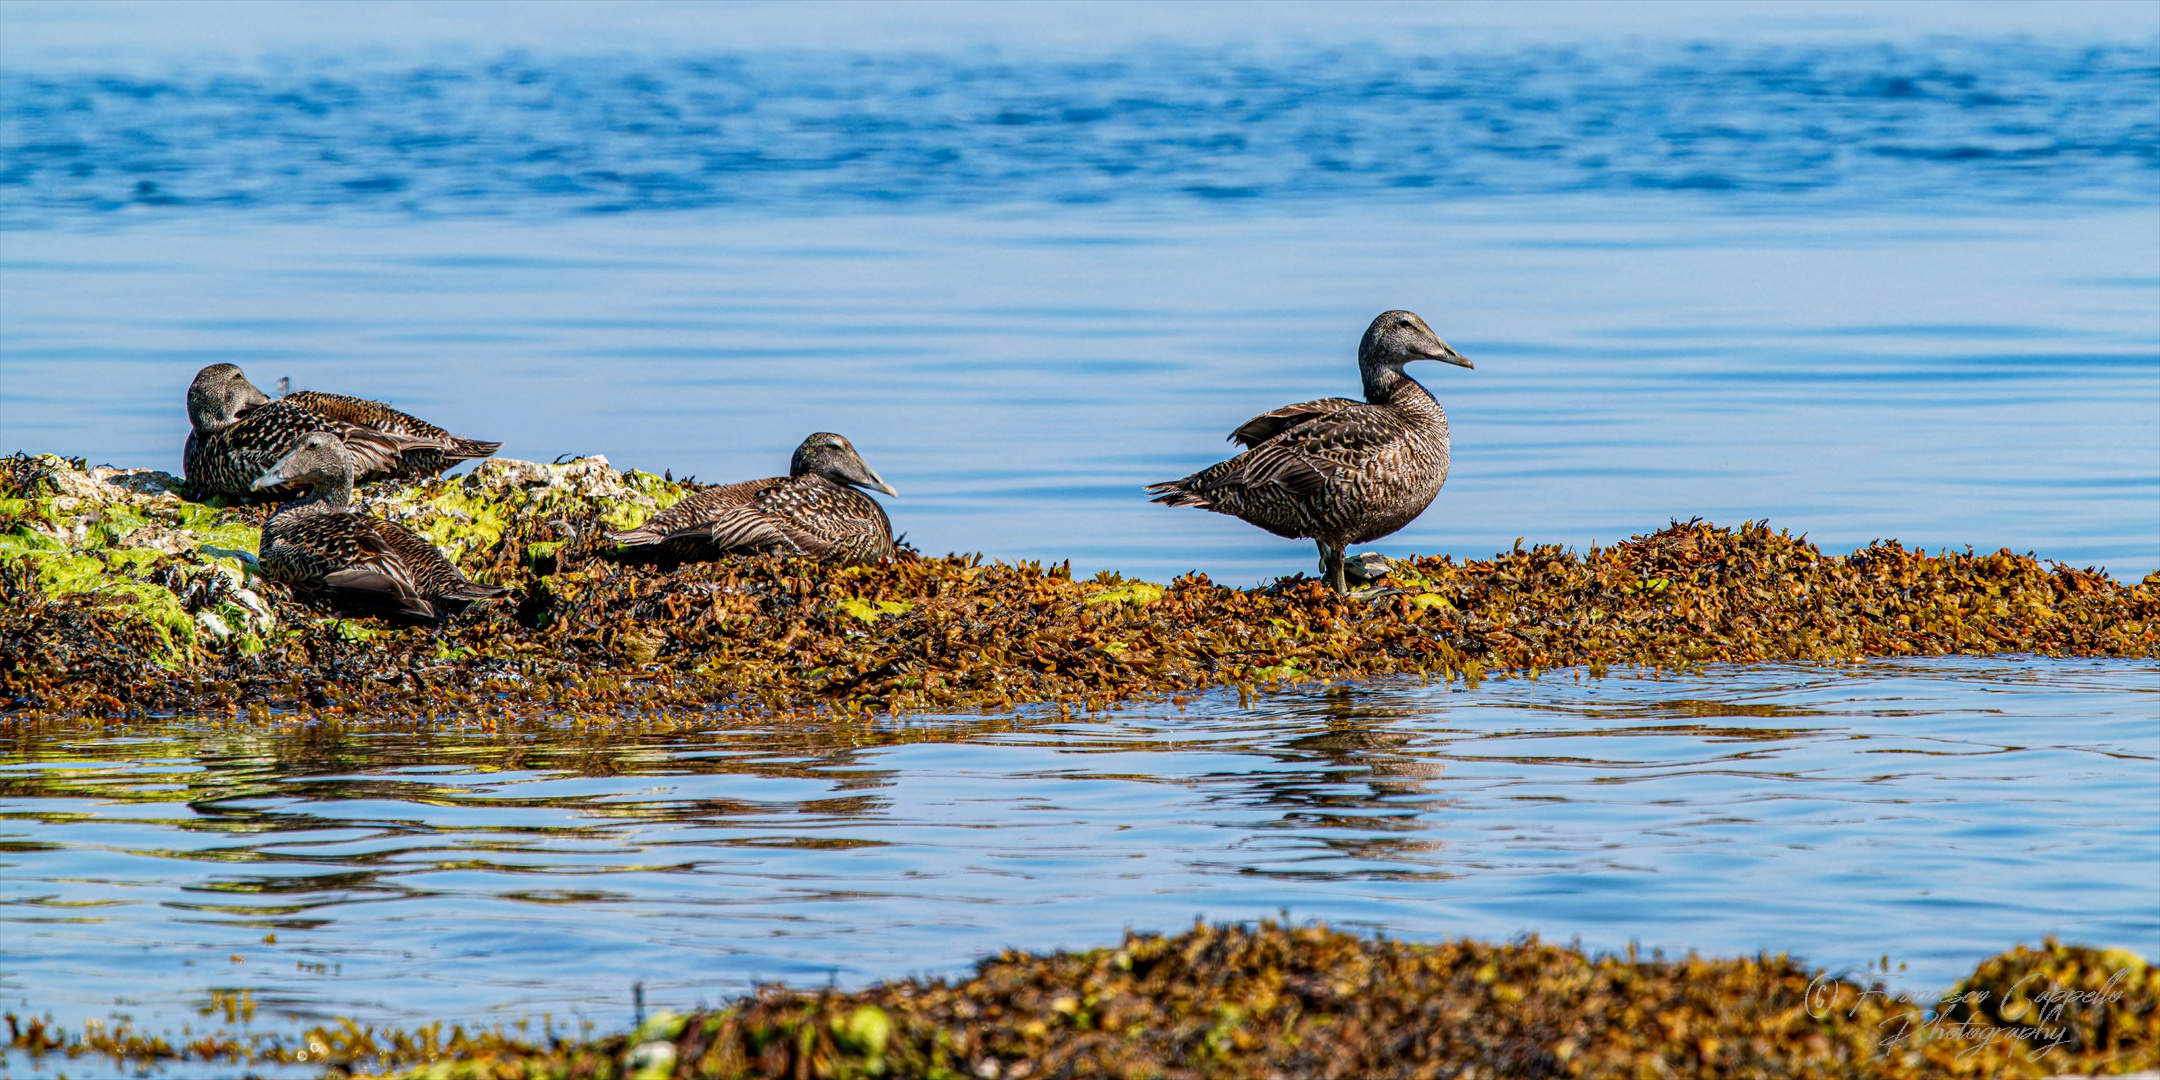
(228, 460)
(814, 510)
(1337, 471)
(441, 450)
(323, 546)
(698, 507)
(238, 432)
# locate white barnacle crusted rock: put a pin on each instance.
(466, 516)
(590, 476)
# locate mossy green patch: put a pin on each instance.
(664, 493)
(1131, 594)
(232, 536)
(624, 516)
(132, 560)
(870, 611)
(459, 522)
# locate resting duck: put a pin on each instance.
(814, 510)
(239, 432)
(1337, 471)
(322, 545)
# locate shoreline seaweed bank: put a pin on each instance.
(1277, 1001)
(122, 597)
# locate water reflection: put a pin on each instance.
(1929, 810)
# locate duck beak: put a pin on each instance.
(275, 474)
(858, 473)
(280, 473)
(1447, 355)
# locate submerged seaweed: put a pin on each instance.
(1277, 1001)
(111, 608)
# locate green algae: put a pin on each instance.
(73, 533)
(664, 492)
(870, 611)
(470, 516)
(1131, 594)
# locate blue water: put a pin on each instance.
(1905, 288)
(1987, 123)
(1936, 811)
(1865, 271)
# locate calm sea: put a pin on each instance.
(1904, 285)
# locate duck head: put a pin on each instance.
(834, 458)
(320, 460)
(219, 394)
(1398, 337)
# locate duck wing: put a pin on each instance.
(364, 413)
(743, 528)
(694, 511)
(1297, 451)
(431, 572)
(342, 554)
(823, 519)
(1267, 425)
(433, 449)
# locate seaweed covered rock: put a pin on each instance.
(1312, 1002)
(108, 570)
(101, 582)
(1277, 1001)
(510, 517)
(2098, 1005)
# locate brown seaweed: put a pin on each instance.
(590, 635)
(1281, 1001)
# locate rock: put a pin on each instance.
(1369, 567)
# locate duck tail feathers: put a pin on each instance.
(1178, 493)
(460, 449)
(473, 590)
(379, 593)
(638, 537)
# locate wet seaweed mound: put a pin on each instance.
(1275, 1001)
(121, 596)
(1311, 1002)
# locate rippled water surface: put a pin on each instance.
(1986, 121)
(1904, 290)
(1935, 811)
(1941, 381)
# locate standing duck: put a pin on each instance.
(1337, 471)
(814, 510)
(322, 545)
(239, 432)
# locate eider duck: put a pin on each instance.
(814, 510)
(238, 432)
(323, 546)
(1337, 471)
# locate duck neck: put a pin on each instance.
(328, 495)
(207, 420)
(1385, 384)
